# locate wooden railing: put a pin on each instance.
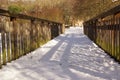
(104, 30)
(21, 34)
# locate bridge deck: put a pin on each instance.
(70, 56)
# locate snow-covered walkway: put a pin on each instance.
(70, 56)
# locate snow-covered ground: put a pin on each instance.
(70, 56)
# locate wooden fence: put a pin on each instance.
(21, 34)
(104, 30)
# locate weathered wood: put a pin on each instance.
(20, 34)
(106, 32)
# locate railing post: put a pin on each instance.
(119, 38)
(0, 48)
(14, 38)
(32, 35)
(63, 28)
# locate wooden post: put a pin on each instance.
(119, 39)
(32, 35)
(0, 50)
(14, 38)
(3, 47)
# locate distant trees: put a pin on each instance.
(86, 9)
(65, 11)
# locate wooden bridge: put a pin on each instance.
(70, 56)
(18, 32)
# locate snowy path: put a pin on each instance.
(71, 56)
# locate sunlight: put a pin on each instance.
(59, 52)
(114, 0)
(84, 76)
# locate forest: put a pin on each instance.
(65, 11)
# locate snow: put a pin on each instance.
(70, 56)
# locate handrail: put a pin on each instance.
(23, 16)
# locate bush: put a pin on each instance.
(13, 9)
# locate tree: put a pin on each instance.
(61, 10)
(85, 9)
